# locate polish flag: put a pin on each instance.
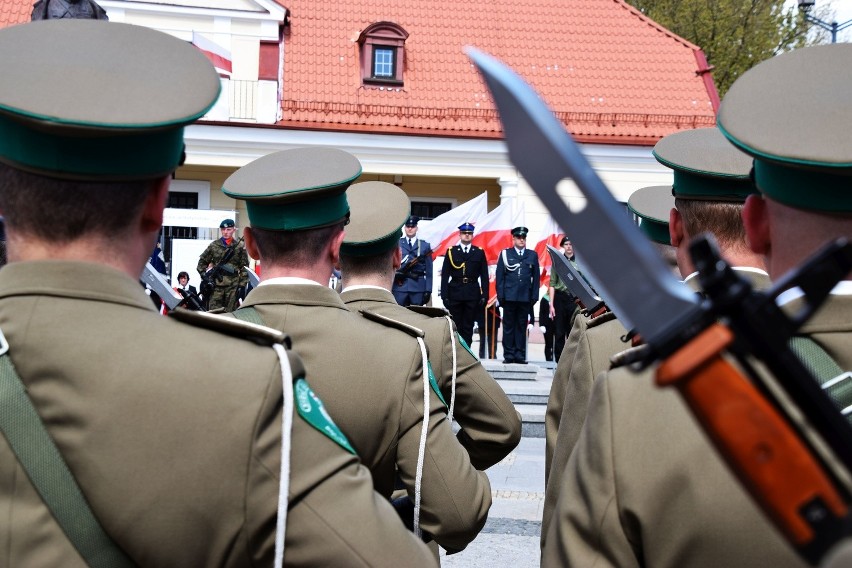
(219, 56)
(494, 234)
(442, 232)
(550, 235)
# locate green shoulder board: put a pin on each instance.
(434, 382)
(232, 326)
(312, 410)
(465, 345)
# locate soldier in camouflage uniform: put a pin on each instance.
(230, 283)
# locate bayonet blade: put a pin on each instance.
(158, 284)
(574, 281)
(253, 278)
(632, 276)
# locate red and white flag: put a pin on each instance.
(442, 232)
(550, 235)
(494, 234)
(218, 55)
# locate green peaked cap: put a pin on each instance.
(793, 114)
(297, 189)
(98, 101)
(378, 212)
(652, 206)
(706, 166)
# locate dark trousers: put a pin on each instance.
(548, 342)
(515, 315)
(566, 310)
(464, 314)
(408, 298)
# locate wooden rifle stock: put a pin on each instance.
(759, 445)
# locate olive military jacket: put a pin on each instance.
(645, 487)
(370, 378)
(491, 427)
(179, 466)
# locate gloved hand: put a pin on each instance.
(543, 329)
(529, 327)
(426, 297)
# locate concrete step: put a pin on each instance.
(532, 419)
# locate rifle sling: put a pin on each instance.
(48, 472)
(836, 384)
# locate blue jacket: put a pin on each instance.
(518, 277)
(422, 271)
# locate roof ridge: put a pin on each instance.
(665, 31)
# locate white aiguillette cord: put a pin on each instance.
(453, 383)
(286, 433)
(421, 453)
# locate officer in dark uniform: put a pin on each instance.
(412, 285)
(464, 282)
(517, 291)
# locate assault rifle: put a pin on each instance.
(781, 434)
(215, 274)
(591, 304)
(405, 271)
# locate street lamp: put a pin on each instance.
(805, 7)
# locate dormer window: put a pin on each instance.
(382, 54)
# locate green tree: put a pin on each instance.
(734, 34)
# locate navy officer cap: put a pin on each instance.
(412, 221)
(520, 232)
(466, 228)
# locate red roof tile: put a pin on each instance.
(15, 12)
(610, 73)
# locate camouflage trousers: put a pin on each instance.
(223, 297)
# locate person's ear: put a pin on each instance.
(756, 223)
(151, 219)
(397, 258)
(334, 247)
(676, 230)
(251, 244)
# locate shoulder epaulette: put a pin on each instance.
(429, 311)
(390, 322)
(629, 356)
(227, 325)
(603, 318)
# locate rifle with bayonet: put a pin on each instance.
(590, 303)
(781, 434)
(406, 268)
(217, 273)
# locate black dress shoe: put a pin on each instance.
(520, 362)
(508, 361)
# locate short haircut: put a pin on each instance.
(183, 274)
(721, 218)
(55, 210)
(294, 248)
(360, 266)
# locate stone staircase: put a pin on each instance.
(528, 387)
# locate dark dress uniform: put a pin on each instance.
(464, 286)
(415, 287)
(517, 291)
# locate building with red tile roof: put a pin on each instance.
(303, 75)
(611, 74)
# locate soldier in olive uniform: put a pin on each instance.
(517, 279)
(490, 425)
(222, 265)
(464, 282)
(373, 375)
(801, 170)
(109, 455)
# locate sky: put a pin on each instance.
(843, 12)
